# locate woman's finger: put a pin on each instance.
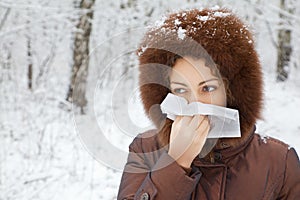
(195, 122)
(203, 126)
(187, 119)
(180, 123)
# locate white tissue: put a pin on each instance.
(224, 121)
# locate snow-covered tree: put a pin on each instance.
(77, 88)
(284, 47)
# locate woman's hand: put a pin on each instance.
(188, 135)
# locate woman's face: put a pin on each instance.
(191, 79)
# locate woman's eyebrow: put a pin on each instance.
(174, 82)
(213, 79)
(201, 83)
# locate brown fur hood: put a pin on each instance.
(224, 38)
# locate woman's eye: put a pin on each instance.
(208, 88)
(179, 90)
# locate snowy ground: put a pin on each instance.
(281, 116)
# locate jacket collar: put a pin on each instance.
(224, 150)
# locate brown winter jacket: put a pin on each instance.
(260, 168)
(249, 167)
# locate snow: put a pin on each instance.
(212, 16)
(177, 22)
(203, 18)
(279, 117)
(160, 22)
(44, 155)
(215, 7)
(181, 33)
(221, 14)
(143, 49)
(264, 138)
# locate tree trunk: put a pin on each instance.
(77, 88)
(29, 57)
(284, 49)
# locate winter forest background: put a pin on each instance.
(68, 88)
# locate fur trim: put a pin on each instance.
(223, 38)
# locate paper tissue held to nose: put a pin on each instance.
(224, 121)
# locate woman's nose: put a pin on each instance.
(194, 98)
(198, 98)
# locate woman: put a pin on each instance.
(205, 56)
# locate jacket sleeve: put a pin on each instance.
(291, 185)
(161, 181)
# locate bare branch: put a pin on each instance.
(36, 22)
(45, 64)
(37, 179)
(271, 33)
(4, 18)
